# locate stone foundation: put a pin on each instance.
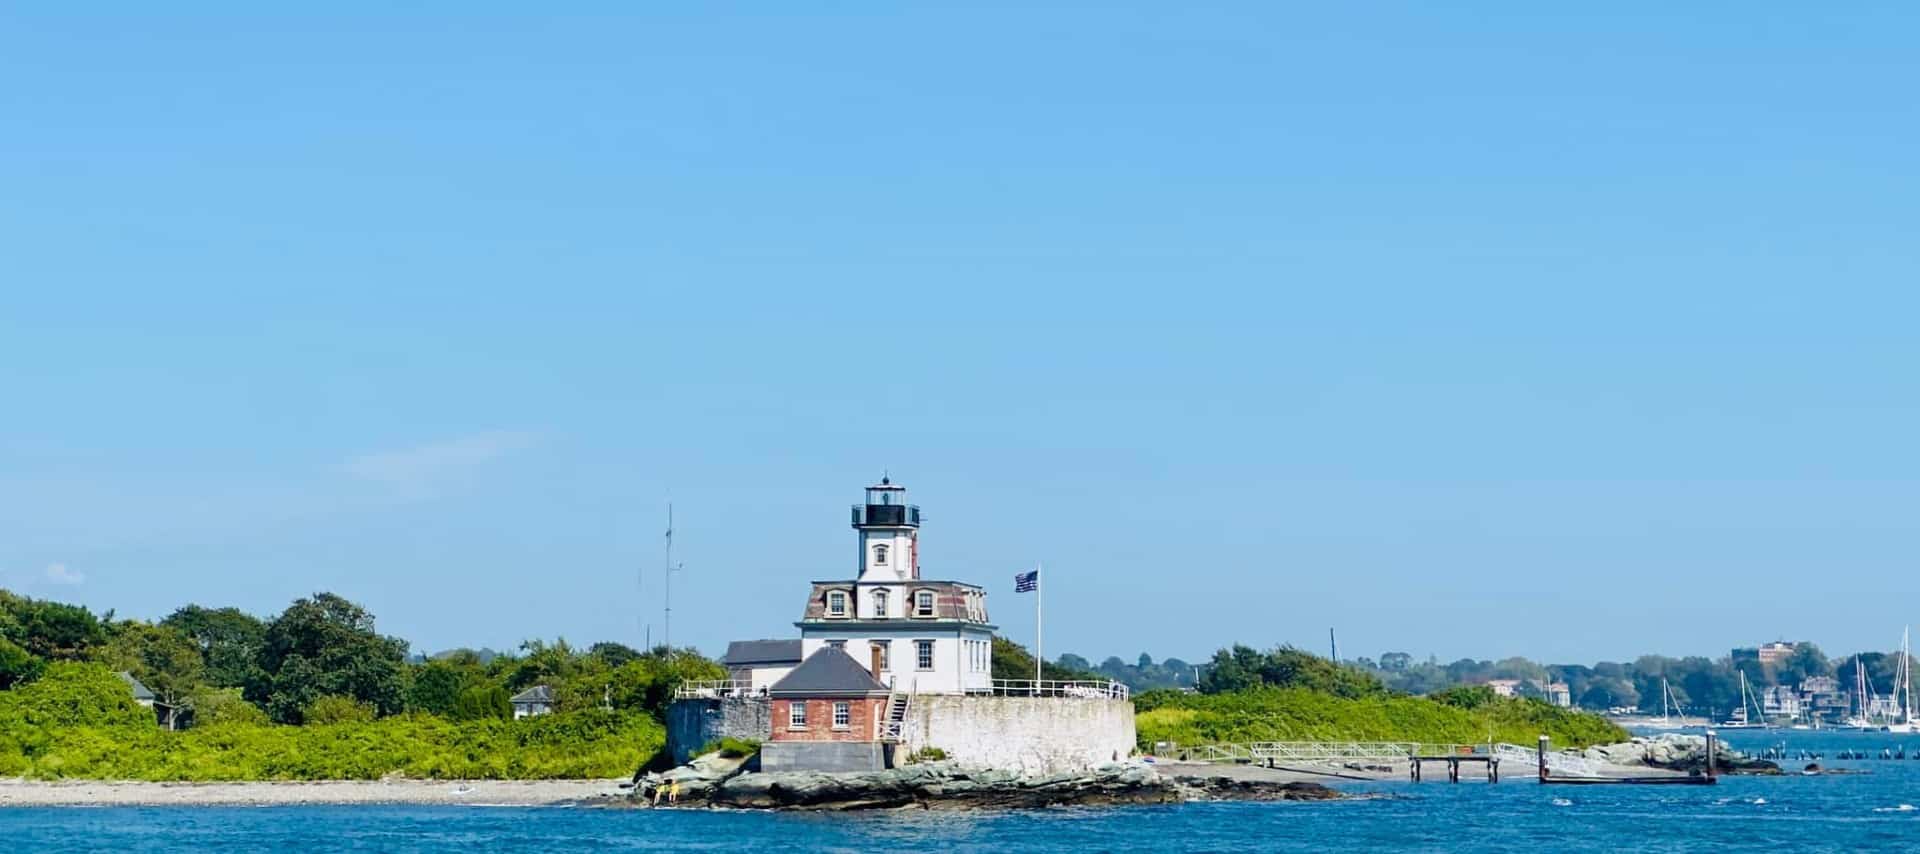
(778, 756)
(692, 724)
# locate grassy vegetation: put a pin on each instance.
(1301, 714)
(730, 747)
(77, 721)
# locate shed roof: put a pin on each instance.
(140, 691)
(778, 651)
(828, 672)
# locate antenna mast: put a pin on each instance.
(667, 628)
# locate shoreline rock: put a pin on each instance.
(944, 786)
(1678, 752)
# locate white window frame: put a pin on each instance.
(796, 714)
(842, 715)
(880, 603)
(923, 655)
(886, 652)
(838, 644)
(840, 597)
(931, 600)
(880, 554)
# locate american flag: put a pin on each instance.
(1026, 582)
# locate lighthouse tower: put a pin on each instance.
(908, 632)
(889, 534)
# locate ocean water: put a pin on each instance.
(1871, 811)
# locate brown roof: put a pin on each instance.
(949, 598)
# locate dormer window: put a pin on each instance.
(880, 604)
(837, 603)
(880, 555)
(923, 603)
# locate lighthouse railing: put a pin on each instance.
(1079, 689)
(713, 689)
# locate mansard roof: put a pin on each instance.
(828, 672)
(949, 598)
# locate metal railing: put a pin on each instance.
(1387, 751)
(714, 689)
(1074, 689)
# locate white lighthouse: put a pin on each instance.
(889, 534)
(911, 633)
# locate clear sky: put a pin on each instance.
(1483, 330)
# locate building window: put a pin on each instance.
(923, 603)
(923, 654)
(880, 555)
(879, 604)
(837, 603)
(883, 650)
(837, 644)
(797, 714)
(842, 715)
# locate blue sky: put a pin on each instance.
(1489, 330)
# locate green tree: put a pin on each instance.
(53, 631)
(482, 702)
(437, 686)
(614, 654)
(1805, 662)
(336, 709)
(163, 659)
(229, 641)
(16, 664)
(326, 645)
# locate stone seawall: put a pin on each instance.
(1032, 735)
(692, 724)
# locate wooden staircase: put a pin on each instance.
(893, 727)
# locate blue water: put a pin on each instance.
(1742, 813)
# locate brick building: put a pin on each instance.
(827, 716)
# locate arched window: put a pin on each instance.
(880, 604)
(880, 555)
(837, 603)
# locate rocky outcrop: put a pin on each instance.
(1675, 752)
(944, 786)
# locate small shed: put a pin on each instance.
(537, 700)
(140, 693)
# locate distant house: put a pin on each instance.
(140, 693)
(1771, 654)
(756, 664)
(1504, 687)
(1560, 694)
(537, 700)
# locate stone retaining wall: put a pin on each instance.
(692, 724)
(1033, 735)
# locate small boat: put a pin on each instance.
(1666, 716)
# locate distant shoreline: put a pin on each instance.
(38, 793)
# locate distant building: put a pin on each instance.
(1504, 687)
(1771, 654)
(755, 665)
(140, 693)
(1780, 701)
(537, 700)
(1820, 685)
(1560, 694)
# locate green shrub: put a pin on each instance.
(926, 754)
(335, 709)
(730, 748)
(1296, 714)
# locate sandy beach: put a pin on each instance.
(31, 793)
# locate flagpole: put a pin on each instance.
(1039, 646)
